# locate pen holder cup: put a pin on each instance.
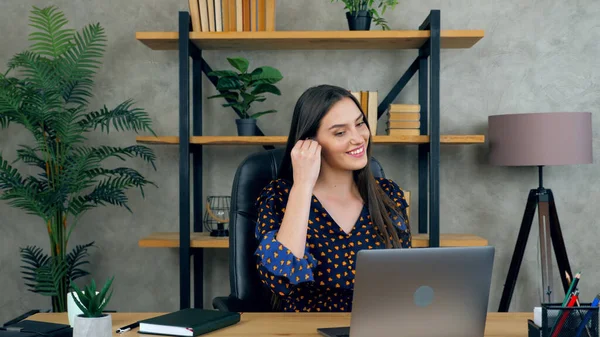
(559, 321)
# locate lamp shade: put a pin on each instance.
(540, 139)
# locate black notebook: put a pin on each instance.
(188, 322)
(29, 328)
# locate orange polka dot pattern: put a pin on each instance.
(323, 280)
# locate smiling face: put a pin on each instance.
(344, 137)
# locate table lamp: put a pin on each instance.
(540, 139)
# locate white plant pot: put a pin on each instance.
(72, 308)
(93, 326)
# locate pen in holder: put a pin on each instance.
(559, 321)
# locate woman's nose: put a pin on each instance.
(356, 136)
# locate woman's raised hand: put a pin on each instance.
(306, 162)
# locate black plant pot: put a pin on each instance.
(246, 126)
(360, 20)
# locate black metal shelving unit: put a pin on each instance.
(427, 64)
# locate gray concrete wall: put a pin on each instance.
(536, 56)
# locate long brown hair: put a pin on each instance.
(310, 109)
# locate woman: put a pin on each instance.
(325, 206)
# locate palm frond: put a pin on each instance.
(36, 69)
(21, 193)
(51, 276)
(141, 151)
(131, 177)
(52, 39)
(10, 100)
(9, 176)
(81, 62)
(75, 260)
(111, 191)
(29, 155)
(78, 205)
(123, 117)
(66, 129)
(33, 258)
(4, 121)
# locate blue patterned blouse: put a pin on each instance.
(323, 280)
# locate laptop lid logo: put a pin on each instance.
(423, 296)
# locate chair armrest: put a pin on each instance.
(233, 304)
(228, 303)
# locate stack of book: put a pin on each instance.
(404, 120)
(232, 15)
(368, 103)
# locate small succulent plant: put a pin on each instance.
(91, 303)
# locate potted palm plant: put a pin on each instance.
(46, 89)
(93, 322)
(360, 13)
(243, 88)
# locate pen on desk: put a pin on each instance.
(128, 327)
(563, 317)
(571, 287)
(576, 302)
(587, 317)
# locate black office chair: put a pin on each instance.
(248, 294)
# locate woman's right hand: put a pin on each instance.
(306, 162)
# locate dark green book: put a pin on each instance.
(188, 322)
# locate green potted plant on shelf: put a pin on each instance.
(93, 322)
(243, 88)
(46, 90)
(361, 12)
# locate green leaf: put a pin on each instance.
(247, 99)
(33, 259)
(122, 118)
(75, 259)
(52, 39)
(239, 63)
(268, 75)
(90, 303)
(264, 88)
(20, 192)
(227, 94)
(30, 156)
(258, 114)
(50, 277)
(140, 151)
(228, 83)
(80, 63)
(131, 177)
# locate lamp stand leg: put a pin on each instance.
(517, 258)
(550, 237)
(559, 244)
(545, 245)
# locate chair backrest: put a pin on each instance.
(252, 175)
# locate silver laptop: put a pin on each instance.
(420, 292)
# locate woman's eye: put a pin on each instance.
(361, 123)
(339, 133)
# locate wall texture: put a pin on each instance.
(536, 56)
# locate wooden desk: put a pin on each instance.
(300, 324)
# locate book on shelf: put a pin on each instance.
(368, 101)
(404, 120)
(232, 15)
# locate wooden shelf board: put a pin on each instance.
(280, 140)
(171, 240)
(311, 40)
(203, 240)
